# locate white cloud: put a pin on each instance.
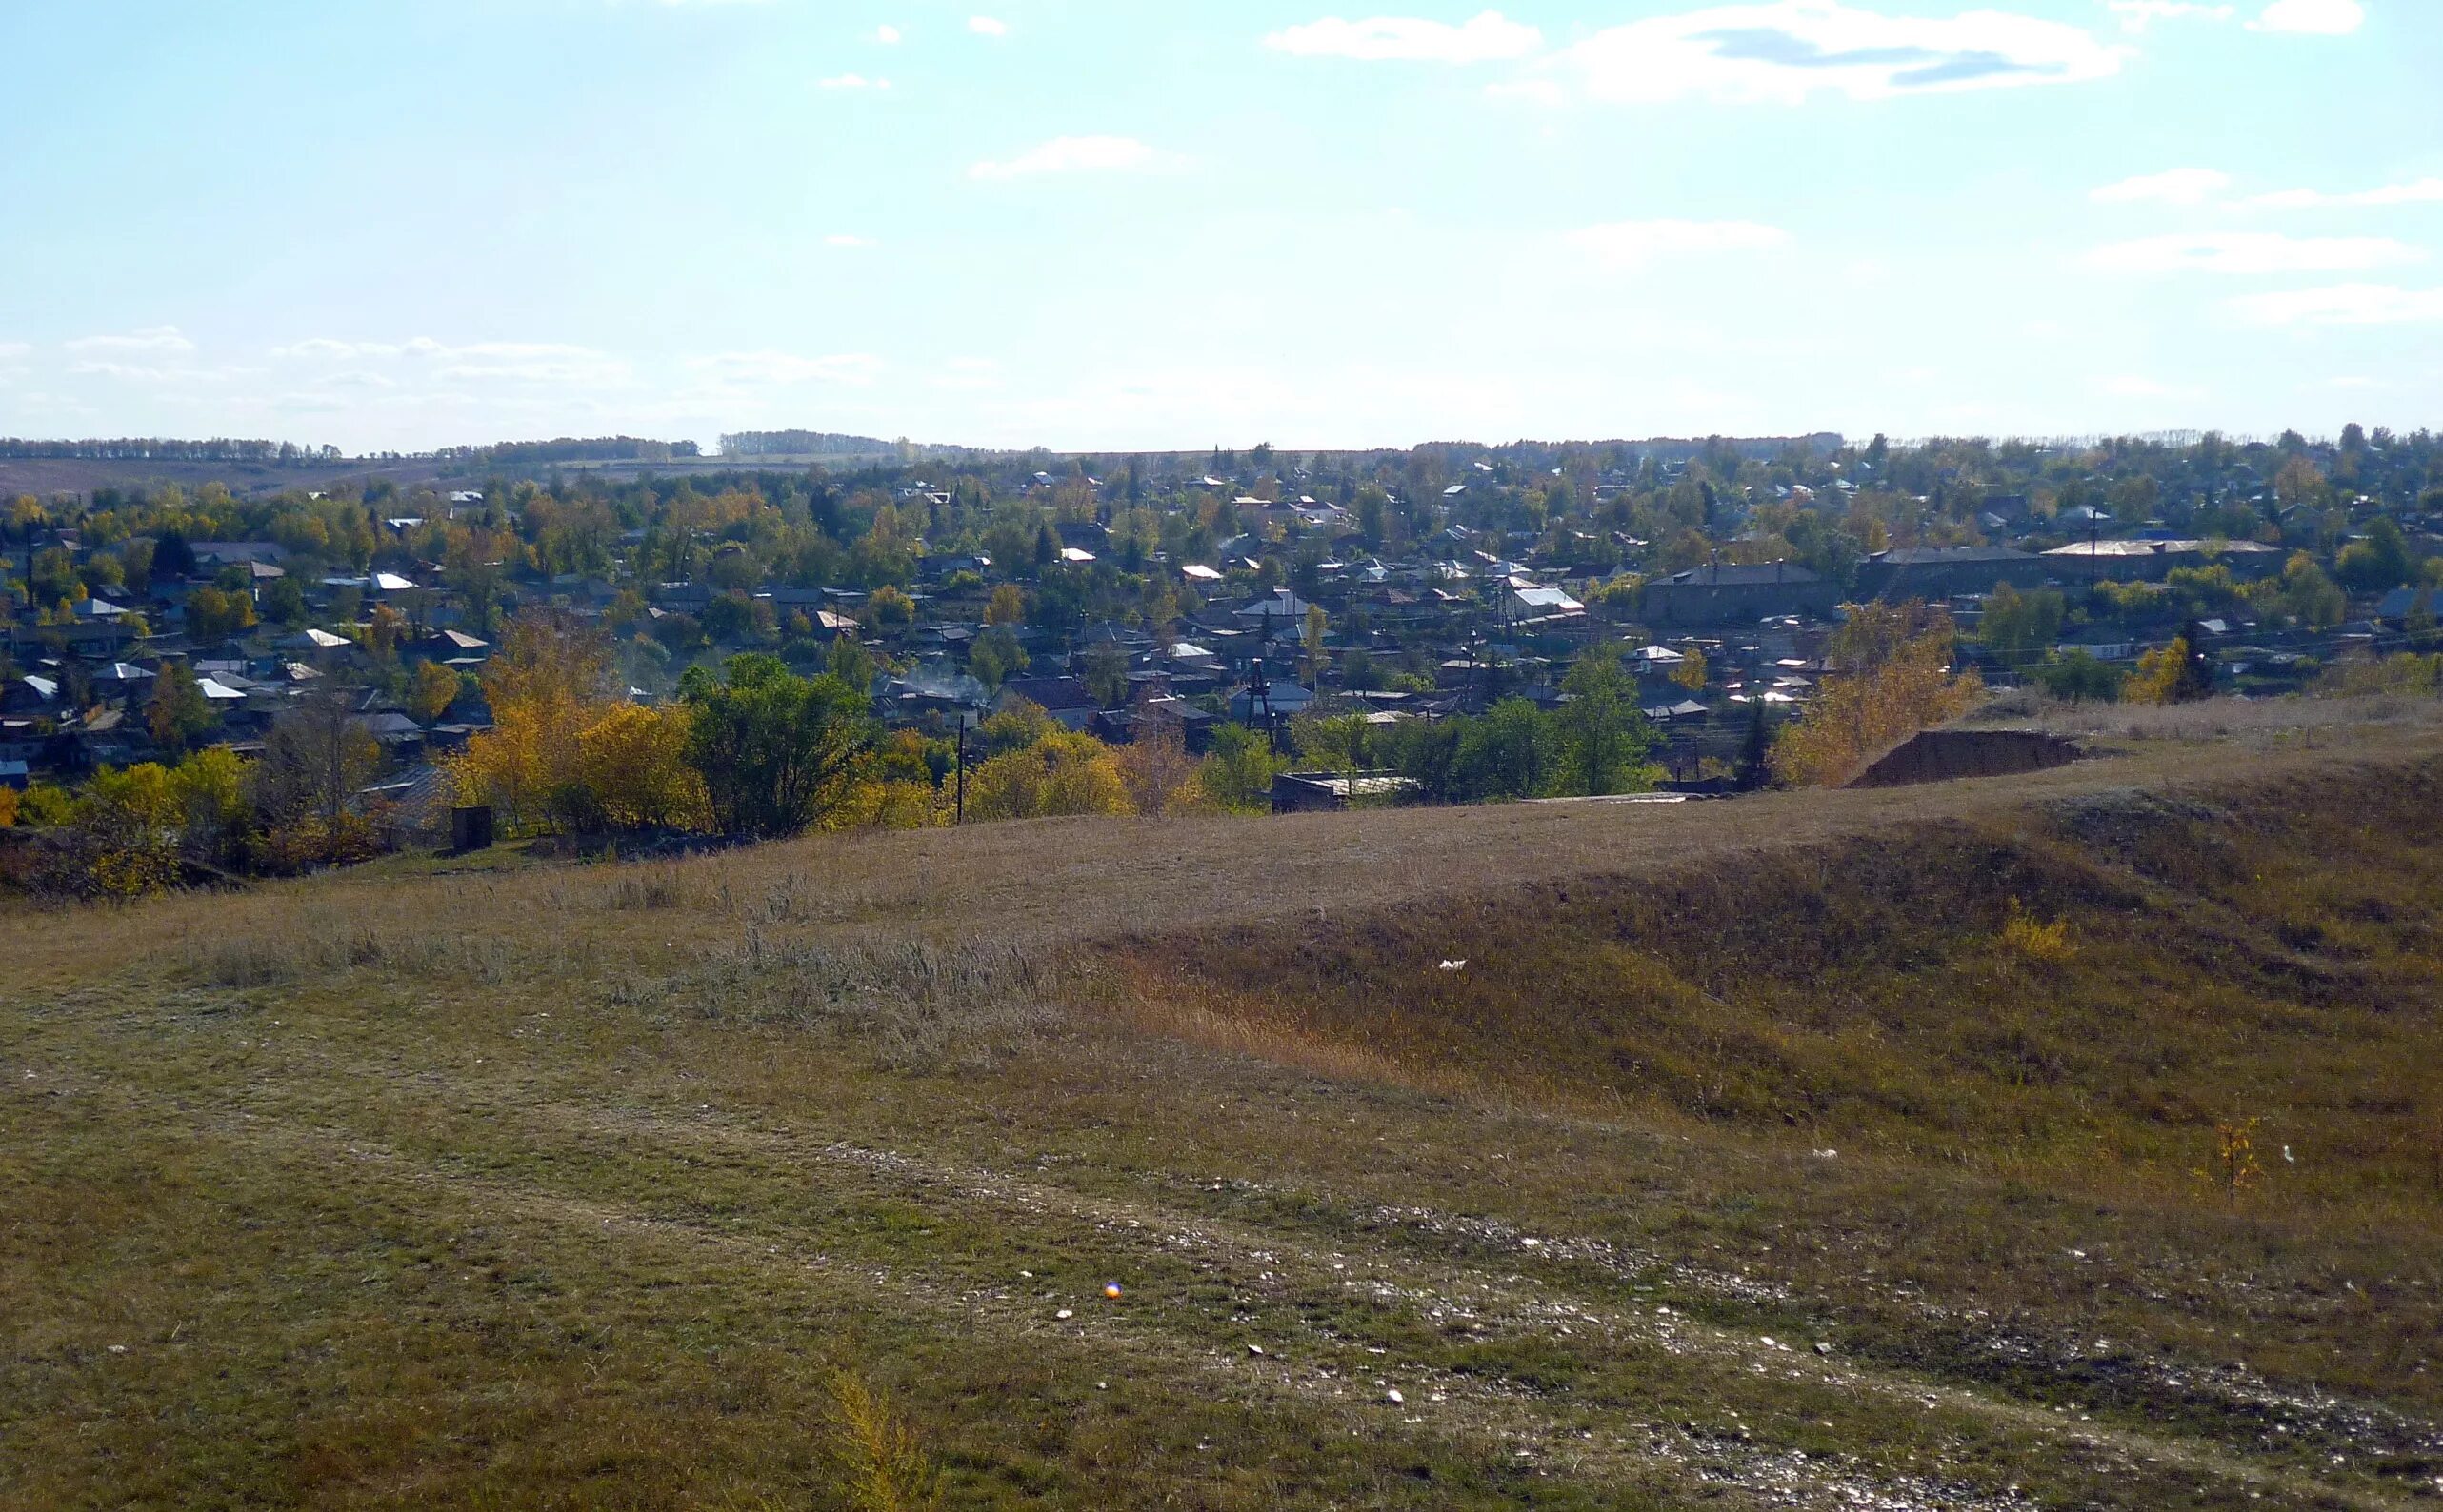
(988, 27)
(2179, 185)
(845, 239)
(2343, 305)
(153, 338)
(768, 367)
(139, 373)
(1077, 155)
(2423, 191)
(1787, 51)
(9, 350)
(1635, 244)
(2133, 386)
(2137, 15)
(887, 35)
(1487, 38)
(2330, 19)
(534, 362)
(511, 361)
(2250, 252)
(851, 81)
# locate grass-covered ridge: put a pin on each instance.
(582, 1186)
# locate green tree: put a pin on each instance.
(852, 663)
(2079, 678)
(1756, 751)
(1507, 753)
(1603, 734)
(1106, 676)
(179, 716)
(996, 656)
(1238, 775)
(2375, 563)
(2019, 629)
(780, 753)
(284, 602)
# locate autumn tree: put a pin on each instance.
(1692, 673)
(431, 691)
(317, 757)
(2178, 673)
(633, 775)
(1155, 768)
(215, 614)
(1889, 677)
(1008, 606)
(548, 682)
(1061, 773)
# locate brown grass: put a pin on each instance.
(579, 1186)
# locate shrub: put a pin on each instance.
(2048, 944)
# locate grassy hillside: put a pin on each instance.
(1826, 1150)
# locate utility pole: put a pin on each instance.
(962, 768)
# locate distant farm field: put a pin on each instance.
(2068, 1141)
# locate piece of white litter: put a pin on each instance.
(1393, 1397)
(1454, 965)
(1064, 1315)
(120, 1349)
(1825, 1155)
(1254, 1349)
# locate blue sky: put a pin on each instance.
(1160, 224)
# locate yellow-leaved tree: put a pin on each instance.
(1888, 676)
(1060, 773)
(633, 774)
(549, 683)
(1155, 768)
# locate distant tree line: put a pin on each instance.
(159, 448)
(801, 444)
(566, 448)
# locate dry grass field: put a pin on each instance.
(1856, 1150)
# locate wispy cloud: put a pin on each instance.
(2332, 18)
(2250, 252)
(887, 35)
(2343, 305)
(774, 368)
(844, 239)
(155, 372)
(511, 361)
(1635, 244)
(988, 25)
(851, 81)
(1786, 51)
(1078, 154)
(2422, 192)
(2179, 185)
(151, 339)
(2130, 386)
(2137, 15)
(1487, 38)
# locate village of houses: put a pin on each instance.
(1473, 578)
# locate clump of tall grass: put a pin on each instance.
(916, 1006)
(882, 1456)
